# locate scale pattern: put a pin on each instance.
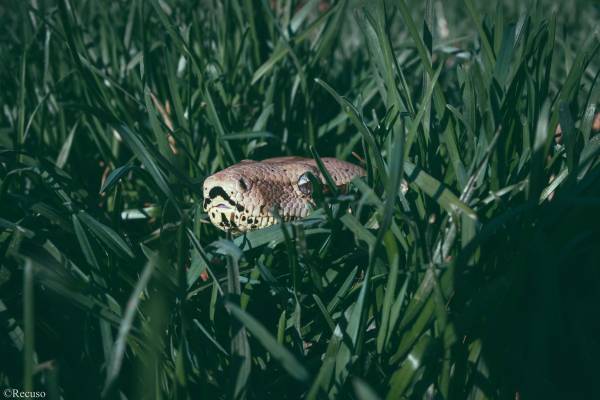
(244, 196)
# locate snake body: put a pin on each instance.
(245, 196)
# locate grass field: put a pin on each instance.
(466, 265)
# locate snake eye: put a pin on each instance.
(243, 186)
(305, 185)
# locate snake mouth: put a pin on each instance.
(217, 209)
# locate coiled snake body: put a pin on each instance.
(244, 196)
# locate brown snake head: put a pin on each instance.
(244, 196)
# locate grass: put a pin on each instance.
(465, 265)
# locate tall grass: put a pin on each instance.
(465, 265)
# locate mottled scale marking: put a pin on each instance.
(242, 197)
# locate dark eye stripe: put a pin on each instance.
(218, 191)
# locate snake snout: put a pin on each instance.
(224, 200)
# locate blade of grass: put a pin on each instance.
(390, 290)
(106, 235)
(84, 243)
(485, 42)
(349, 349)
(118, 352)
(279, 353)
(363, 391)
(328, 179)
(149, 161)
(436, 190)
(359, 123)
(29, 327)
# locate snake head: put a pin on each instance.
(253, 194)
(224, 196)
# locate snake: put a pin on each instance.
(252, 195)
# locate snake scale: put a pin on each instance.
(245, 196)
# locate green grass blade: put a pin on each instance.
(106, 235)
(363, 391)
(402, 378)
(541, 146)
(359, 123)
(437, 191)
(148, 159)
(29, 360)
(84, 242)
(390, 291)
(118, 352)
(485, 42)
(279, 353)
(115, 175)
